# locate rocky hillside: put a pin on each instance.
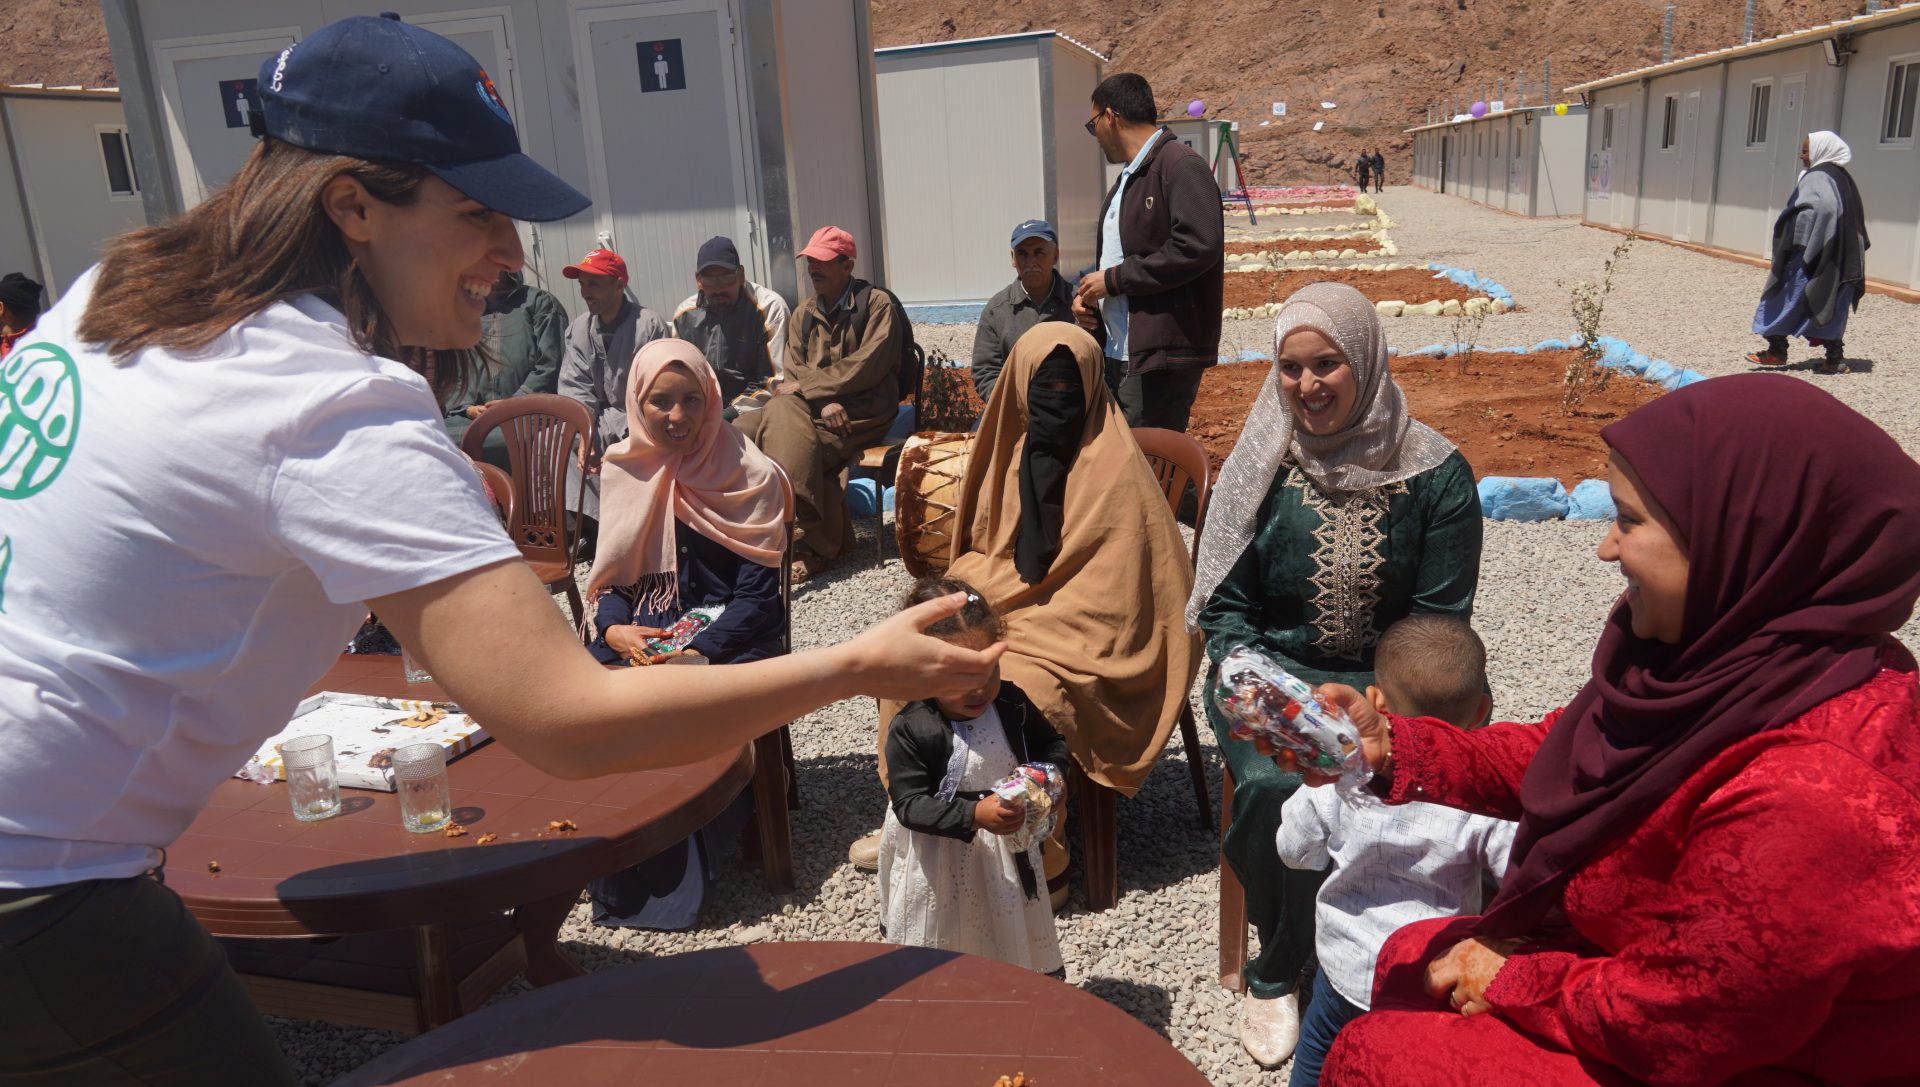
(1382, 62)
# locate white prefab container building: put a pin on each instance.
(1527, 161)
(69, 181)
(682, 119)
(1704, 150)
(976, 136)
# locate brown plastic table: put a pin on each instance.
(795, 1015)
(433, 925)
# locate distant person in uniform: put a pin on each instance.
(522, 336)
(1379, 170)
(600, 345)
(839, 393)
(1161, 260)
(1819, 258)
(1363, 169)
(19, 308)
(740, 326)
(1038, 293)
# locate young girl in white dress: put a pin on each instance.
(950, 875)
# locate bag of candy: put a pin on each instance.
(1260, 698)
(688, 627)
(1040, 786)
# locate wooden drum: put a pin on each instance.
(926, 494)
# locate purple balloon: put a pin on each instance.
(1479, 109)
(1196, 107)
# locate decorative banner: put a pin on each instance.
(1279, 109)
(1318, 125)
(661, 68)
(239, 100)
(1326, 105)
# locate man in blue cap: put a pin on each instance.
(739, 325)
(1038, 293)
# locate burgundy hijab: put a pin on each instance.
(1801, 521)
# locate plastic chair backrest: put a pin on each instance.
(541, 431)
(1176, 460)
(501, 484)
(786, 570)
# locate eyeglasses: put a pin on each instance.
(1091, 121)
(715, 279)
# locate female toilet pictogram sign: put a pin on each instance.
(661, 68)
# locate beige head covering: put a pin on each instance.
(1097, 643)
(1379, 444)
(724, 488)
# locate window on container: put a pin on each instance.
(116, 155)
(1670, 122)
(1606, 129)
(1903, 88)
(1759, 105)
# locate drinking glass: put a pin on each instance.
(311, 785)
(420, 777)
(410, 665)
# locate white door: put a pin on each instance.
(207, 88)
(1686, 162)
(661, 107)
(1618, 165)
(1787, 134)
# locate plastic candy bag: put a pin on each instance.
(688, 627)
(1260, 698)
(1040, 786)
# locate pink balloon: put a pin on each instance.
(1479, 109)
(1196, 107)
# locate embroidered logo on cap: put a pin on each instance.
(491, 97)
(280, 68)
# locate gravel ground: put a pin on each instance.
(1542, 598)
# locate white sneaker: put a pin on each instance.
(1269, 1028)
(864, 854)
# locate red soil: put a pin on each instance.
(1413, 285)
(1288, 245)
(1505, 413)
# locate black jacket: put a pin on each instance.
(1174, 233)
(920, 743)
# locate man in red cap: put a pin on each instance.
(840, 394)
(600, 347)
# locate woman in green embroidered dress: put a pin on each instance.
(1336, 515)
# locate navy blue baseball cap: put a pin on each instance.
(378, 88)
(1033, 228)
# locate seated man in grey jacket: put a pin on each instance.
(1038, 293)
(600, 347)
(522, 335)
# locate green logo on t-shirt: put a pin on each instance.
(6, 560)
(39, 414)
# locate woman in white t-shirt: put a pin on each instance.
(210, 466)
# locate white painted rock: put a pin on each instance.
(1349, 253)
(1390, 308)
(1475, 307)
(1450, 308)
(1499, 306)
(1424, 309)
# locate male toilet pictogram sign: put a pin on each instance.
(239, 100)
(661, 68)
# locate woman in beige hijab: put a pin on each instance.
(1064, 529)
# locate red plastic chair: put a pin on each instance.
(499, 488)
(542, 430)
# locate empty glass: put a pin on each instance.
(420, 777)
(415, 673)
(311, 785)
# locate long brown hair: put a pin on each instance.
(259, 239)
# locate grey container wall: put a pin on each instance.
(58, 205)
(1526, 161)
(976, 136)
(1720, 170)
(770, 136)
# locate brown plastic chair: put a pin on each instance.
(542, 430)
(501, 484)
(1177, 460)
(1233, 901)
(776, 790)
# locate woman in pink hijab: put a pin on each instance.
(691, 516)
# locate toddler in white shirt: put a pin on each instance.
(1391, 866)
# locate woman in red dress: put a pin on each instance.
(1717, 871)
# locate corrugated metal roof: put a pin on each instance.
(996, 39)
(1791, 39)
(41, 90)
(1464, 119)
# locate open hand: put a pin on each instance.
(787, 388)
(1464, 972)
(997, 816)
(893, 659)
(630, 640)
